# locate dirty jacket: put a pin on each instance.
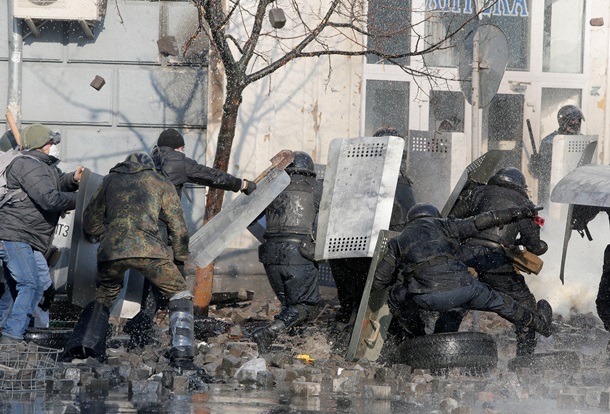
(125, 210)
(32, 219)
(180, 169)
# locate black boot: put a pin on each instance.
(89, 336)
(264, 336)
(181, 327)
(543, 318)
(140, 327)
(526, 341)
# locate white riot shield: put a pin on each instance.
(358, 195)
(62, 240)
(567, 152)
(586, 185)
(216, 235)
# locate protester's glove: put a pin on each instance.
(47, 298)
(247, 187)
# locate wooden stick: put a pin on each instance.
(13, 125)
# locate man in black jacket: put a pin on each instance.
(486, 251)
(170, 161)
(427, 255)
(28, 220)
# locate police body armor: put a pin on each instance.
(290, 218)
(496, 198)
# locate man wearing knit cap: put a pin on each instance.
(169, 158)
(170, 161)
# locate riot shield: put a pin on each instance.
(374, 317)
(586, 185)
(479, 171)
(357, 196)
(214, 237)
(62, 240)
(82, 268)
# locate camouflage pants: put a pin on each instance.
(162, 273)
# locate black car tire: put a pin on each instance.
(451, 350)
(48, 337)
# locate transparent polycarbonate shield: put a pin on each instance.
(586, 185)
(493, 58)
(374, 317)
(357, 196)
(479, 171)
(216, 235)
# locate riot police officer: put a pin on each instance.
(427, 254)
(486, 251)
(288, 251)
(569, 118)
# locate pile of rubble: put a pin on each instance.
(305, 363)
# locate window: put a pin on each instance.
(446, 111)
(389, 22)
(446, 16)
(387, 105)
(513, 18)
(439, 24)
(563, 36)
(505, 126)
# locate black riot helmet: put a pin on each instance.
(421, 210)
(569, 118)
(510, 177)
(302, 164)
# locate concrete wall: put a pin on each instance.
(145, 92)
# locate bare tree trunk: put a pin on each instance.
(226, 134)
(205, 275)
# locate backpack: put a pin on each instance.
(6, 158)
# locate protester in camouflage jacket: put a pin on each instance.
(124, 214)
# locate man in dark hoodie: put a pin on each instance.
(40, 193)
(170, 160)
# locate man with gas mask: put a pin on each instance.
(427, 256)
(288, 251)
(38, 193)
(569, 118)
(487, 251)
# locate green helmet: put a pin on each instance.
(37, 136)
